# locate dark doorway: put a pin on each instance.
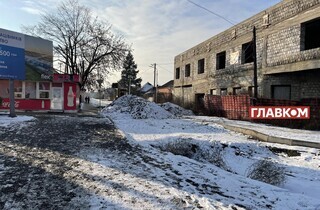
(199, 99)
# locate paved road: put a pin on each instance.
(35, 160)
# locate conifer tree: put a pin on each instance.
(129, 73)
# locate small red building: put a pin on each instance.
(58, 94)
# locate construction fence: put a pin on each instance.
(236, 107)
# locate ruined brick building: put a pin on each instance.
(288, 57)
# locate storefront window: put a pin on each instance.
(18, 89)
(30, 88)
(4, 88)
(44, 89)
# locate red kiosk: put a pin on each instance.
(60, 94)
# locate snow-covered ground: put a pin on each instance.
(144, 176)
(6, 121)
(300, 191)
(298, 134)
(99, 102)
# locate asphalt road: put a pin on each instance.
(35, 160)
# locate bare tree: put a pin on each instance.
(84, 44)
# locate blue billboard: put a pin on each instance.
(12, 55)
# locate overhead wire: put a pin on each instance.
(164, 68)
(216, 14)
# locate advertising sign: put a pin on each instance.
(38, 59)
(12, 55)
(66, 78)
(31, 104)
(279, 112)
(70, 92)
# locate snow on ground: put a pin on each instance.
(176, 110)
(99, 102)
(140, 175)
(6, 121)
(300, 191)
(290, 133)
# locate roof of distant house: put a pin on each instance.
(168, 84)
(146, 87)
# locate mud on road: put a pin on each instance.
(35, 160)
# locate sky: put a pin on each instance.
(157, 30)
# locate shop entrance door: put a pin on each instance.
(57, 98)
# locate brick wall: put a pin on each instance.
(304, 84)
(278, 51)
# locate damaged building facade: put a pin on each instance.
(288, 57)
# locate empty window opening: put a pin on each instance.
(178, 73)
(236, 90)
(201, 66)
(221, 60)
(213, 92)
(223, 91)
(187, 70)
(251, 91)
(310, 34)
(247, 52)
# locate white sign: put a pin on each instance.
(11, 39)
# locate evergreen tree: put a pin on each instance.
(129, 73)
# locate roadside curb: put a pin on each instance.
(271, 139)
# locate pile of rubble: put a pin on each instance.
(176, 110)
(139, 108)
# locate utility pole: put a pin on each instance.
(255, 69)
(12, 103)
(154, 81)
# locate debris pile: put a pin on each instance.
(140, 108)
(137, 108)
(176, 110)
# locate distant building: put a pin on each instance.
(161, 94)
(165, 92)
(288, 57)
(145, 88)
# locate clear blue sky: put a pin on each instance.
(157, 29)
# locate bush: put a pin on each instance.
(268, 172)
(182, 147)
(207, 154)
(213, 155)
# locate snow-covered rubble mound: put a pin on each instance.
(137, 108)
(176, 110)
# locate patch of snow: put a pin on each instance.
(6, 121)
(298, 134)
(176, 110)
(239, 153)
(99, 102)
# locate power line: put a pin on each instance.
(216, 14)
(164, 68)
